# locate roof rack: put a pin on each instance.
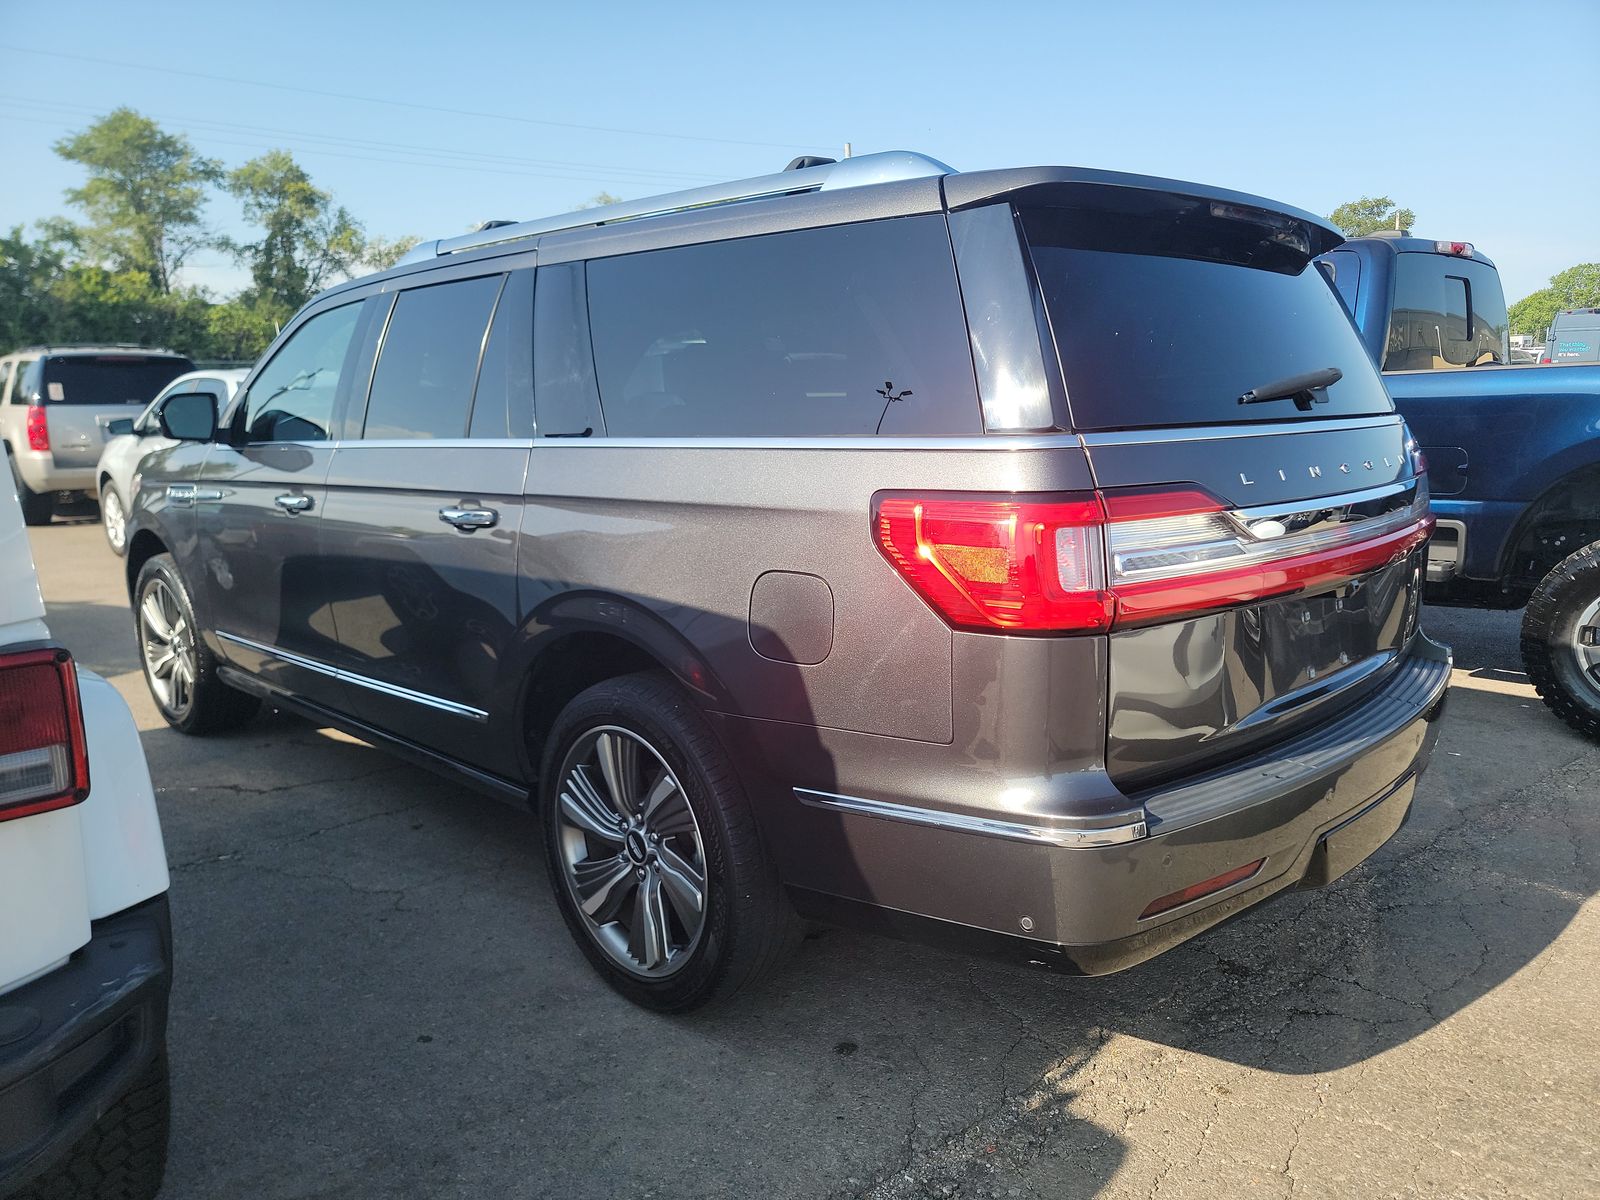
(59, 347)
(862, 171)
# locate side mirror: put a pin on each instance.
(119, 427)
(190, 416)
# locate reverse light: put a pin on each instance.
(44, 755)
(38, 428)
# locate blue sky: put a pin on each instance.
(1448, 107)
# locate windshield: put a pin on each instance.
(108, 378)
(1167, 317)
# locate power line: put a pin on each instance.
(269, 133)
(314, 151)
(456, 112)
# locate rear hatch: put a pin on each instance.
(83, 393)
(1263, 552)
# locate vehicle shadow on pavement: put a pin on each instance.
(374, 980)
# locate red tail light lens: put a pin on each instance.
(1086, 563)
(38, 428)
(1025, 566)
(44, 755)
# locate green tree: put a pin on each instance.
(382, 253)
(1357, 218)
(144, 197)
(1576, 287)
(27, 307)
(306, 240)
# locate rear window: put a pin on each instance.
(108, 378)
(1574, 338)
(1166, 312)
(1447, 312)
(851, 329)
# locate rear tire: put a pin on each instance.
(113, 518)
(1561, 640)
(124, 1155)
(37, 507)
(178, 668)
(627, 860)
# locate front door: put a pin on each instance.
(258, 505)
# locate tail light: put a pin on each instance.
(44, 756)
(1091, 562)
(38, 428)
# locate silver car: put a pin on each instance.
(131, 438)
(55, 405)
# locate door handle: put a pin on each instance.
(468, 519)
(290, 503)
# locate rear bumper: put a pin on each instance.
(73, 1041)
(41, 472)
(1306, 810)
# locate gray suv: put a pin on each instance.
(1027, 560)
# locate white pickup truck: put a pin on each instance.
(85, 939)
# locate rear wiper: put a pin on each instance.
(1302, 389)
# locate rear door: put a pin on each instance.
(1262, 545)
(424, 501)
(83, 393)
(257, 503)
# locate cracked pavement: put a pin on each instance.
(376, 997)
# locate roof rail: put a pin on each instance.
(58, 347)
(862, 171)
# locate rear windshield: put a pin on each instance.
(1447, 312)
(1166, 310)
(1574, 338)
(108, 378)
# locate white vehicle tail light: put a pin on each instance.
(1091, 562)
(44, 755)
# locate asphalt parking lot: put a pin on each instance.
(376, 997)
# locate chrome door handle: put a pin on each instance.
(468, 519)
(290, 503)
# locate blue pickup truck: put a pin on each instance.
(1513, 451)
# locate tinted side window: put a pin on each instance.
(422, 387)
(502, 407)
(566, 397)
(292, 399)
(852, 329)
(27, 381)
(1447, 312)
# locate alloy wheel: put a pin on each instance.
(167, 645)
(114, 518)
(1585, 643)
(631, 851)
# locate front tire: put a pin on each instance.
(178, 668)
(113, 518)
(1561, 640)
(654, 855)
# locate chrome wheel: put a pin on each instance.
(1585, 642)
(114, 518)
(632, 855)
(166, 644)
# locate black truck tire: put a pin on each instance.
(124, 1154)
(1561, 640)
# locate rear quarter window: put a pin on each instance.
(845, 330)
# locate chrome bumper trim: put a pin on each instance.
(1016, 831)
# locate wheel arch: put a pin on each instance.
(584, 638)
(1564, 517)
(142, 547)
